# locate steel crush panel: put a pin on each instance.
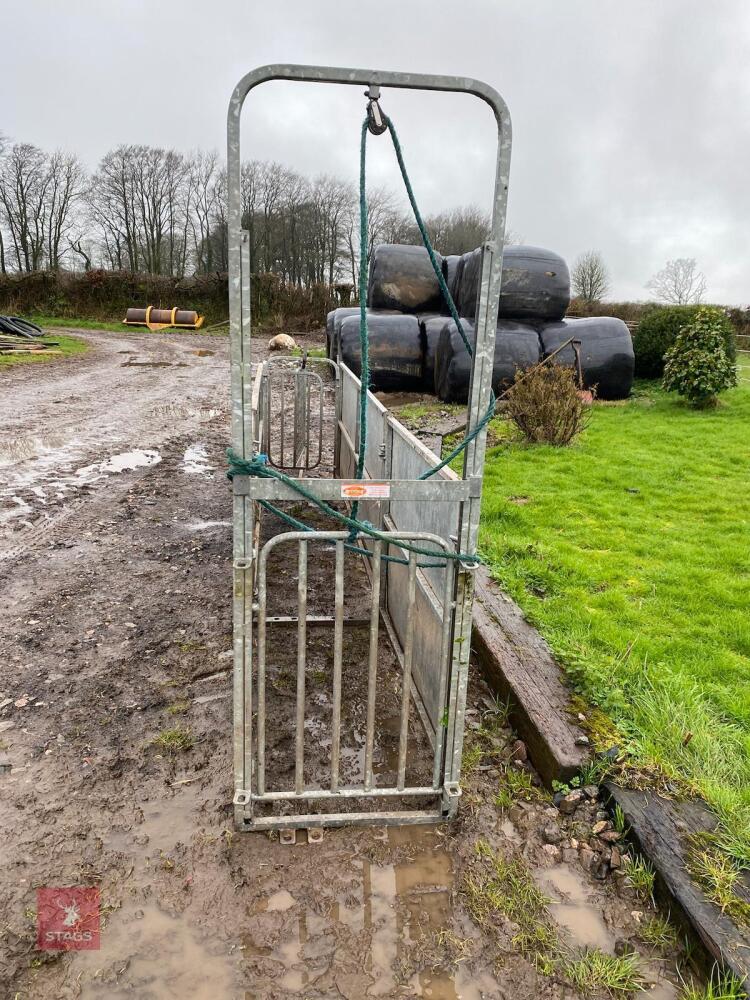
(405, 458)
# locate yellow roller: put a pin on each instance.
(163, 319)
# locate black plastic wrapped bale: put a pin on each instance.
(345, 312)
(329, 332)
(516, 346)
(467, 285)
(395, 351)
(452, 268)
(430, 328)
(607, 358)
(402, 278)
(333, 324)
(535, 285)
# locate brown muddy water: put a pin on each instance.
(115, 627)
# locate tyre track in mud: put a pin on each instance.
(115, 628)
(130, 392)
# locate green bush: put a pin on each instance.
(696, 365)
(658, 330)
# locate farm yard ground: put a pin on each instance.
(115, 566)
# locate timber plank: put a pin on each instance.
(518, 664)
(661, 829)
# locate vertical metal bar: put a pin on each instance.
(445, 657)
(299, 776)
(261, 647)
(408, 656)
(321, 392)
(338, 389)
(372, 670)
(338, 649)
(282, 380)
(307, 423)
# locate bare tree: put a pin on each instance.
(590, 277)
(204, 170)
(3, 143)
(386, 223)
(65, 187)
(112, 206)
(24, 180)
(679, 282)
(457, 231)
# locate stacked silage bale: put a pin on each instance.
(414, 344)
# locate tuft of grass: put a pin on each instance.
(596, 972)
(630, 558)
(721, 987)
(312, 352)
(486, 742)
(494, 886)
(659, 933)
(178, 708)
(640, 876)
(172, 741)
(618, 820)
(720, 877)
(516, 786)
(65, 347)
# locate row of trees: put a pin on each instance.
(157, 211)
(679, 281)
(153, 210)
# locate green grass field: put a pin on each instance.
(47, 322)
(76, 323)
(66, 346)
(630, 551)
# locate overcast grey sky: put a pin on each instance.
(631, 117)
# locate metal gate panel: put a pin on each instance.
(410, 500)
(301, 794)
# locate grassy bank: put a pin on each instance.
(73, 323)
(52, 322)
(65, 347)
(630, 551)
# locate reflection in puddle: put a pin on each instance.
(146, 953)
(22, 510)
(124, 462)
(160, 824)
(583, 923)
(206, 525)
(195, 460)
(393, 912)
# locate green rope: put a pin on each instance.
(364, 339)
(445, 291)
(258, 468)
(301, 526)
(425, 238)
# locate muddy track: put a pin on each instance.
(116, 627)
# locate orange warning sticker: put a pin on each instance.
(366, 489)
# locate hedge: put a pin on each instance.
(105, 295)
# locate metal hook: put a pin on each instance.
(376, 120)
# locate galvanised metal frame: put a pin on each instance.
(467, 493)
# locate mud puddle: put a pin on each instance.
(195, 461)
(393, 914)
(581, 922)
(141, 939)
(27, 505)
